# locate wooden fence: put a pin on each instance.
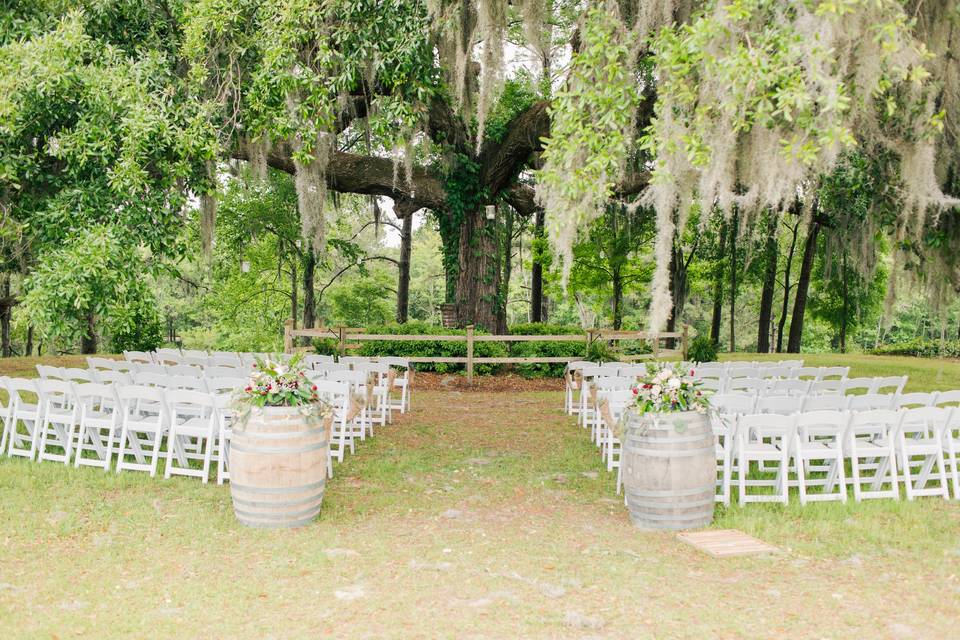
(349, 338)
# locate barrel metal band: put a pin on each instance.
(656, 517)
(277, 450)
(660, 506)
(279, 435)
(277, 516)
(314, 497)
(279, 490)
(679, 439)
(672, 453)
(277, 525)
(676, 493)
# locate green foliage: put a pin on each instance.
(702, 349)
(360, 303)
(324, 346)
(544, 349)
(920, 347)
(145, 334)
(428, 348)
(517, 96)
(97, 276)
(601, 351)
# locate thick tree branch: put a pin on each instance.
(501, 161)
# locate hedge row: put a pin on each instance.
(921, 347)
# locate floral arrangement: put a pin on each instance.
(668, 387)
(275, 384)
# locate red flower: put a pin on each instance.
(254, 365)
(249, 389)
(691, 373)
(635, 391)
(313, 388)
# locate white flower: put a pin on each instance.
(281, 369)
(673, 383)
(655, 390)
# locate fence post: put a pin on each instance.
(340, 345)
(469, 354)
(685, 342)
(288, 336)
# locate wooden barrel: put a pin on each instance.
(669, 470)
(278, 467)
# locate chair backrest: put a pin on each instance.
(710, 384)
(818, 387)
(858, 385)
(185, 370)
(108, 376)
(225, 372)
(790, 387)
(616, 401)
(46, 371)
(924, 422)
(55, 392)
(774, 371)
(138, 356)
(79, 375)
(792, 364)
(914, 400)
(100, 363)
(95, 395)
(124, 365)
(871, 401)
(186, 382)
(17, 387)
(632, 371)
(741, 371)
(355, 378)
(396, 362)
(826, 402)
(130, 396)
(225, 385)
(609, 383)
(874, 422)
(372, 367)
(806, 373)
(833, 372)
(150, 368)
(709, 370)
(195, 353)
(767, 425)
(326, 368)
(310, 361)
(593, 371)
(947, 398)
(750, 385)
(225, 361)
(732, 403)
(785, 404)
(189, 402)
(168, 351)
(149, 379)
(822, 424)
(355, 359)
(576, 365)
(889, 384)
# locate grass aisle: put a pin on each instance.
(479, 515)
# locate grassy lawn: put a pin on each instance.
(481, 514)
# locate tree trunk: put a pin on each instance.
(403, 269)
(617, 282)
(718, 290)
(786, 287)
(29, 348)
(769, 282)
(294, 285)
(309, 297)
(803, 285)
(478, 283)
(733, 282)
(678, 288)
(6, 311)
(506, 268)
(88, 344)
(536, 273)
(846, 307)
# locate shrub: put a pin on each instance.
(325, 346)
(702, 349)
(600, 351)
(435, 348)
(920, 347)
(143, 334)
(544, 349)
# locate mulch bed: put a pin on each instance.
(507, 382)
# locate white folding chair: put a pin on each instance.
(360, 399)
(225, 415)
(47, 372)
(826, 402)
(765, 438)
(855, 386)
(6, 414)
(573, 385)
(192, 434)
(336, 395)
(790, 387)
(869, 443)
(613, 404)
(378, 373)
(138, 356)
(143, 423)
(710, 384)
(27, 411)
(402, 379)
(919, 443)
(818, 447)
(309, 361)
(588, 393)
(95, 363)
(58, 428)
(913, 400)
(951, 449)
(324, 369)
(99, 423)
(871, 401)
(947, 398)
(889, 384)
(783, 404)
(77, 375)
(600, 386)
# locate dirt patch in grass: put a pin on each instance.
(509, 382)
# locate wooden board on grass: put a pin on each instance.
(726, 543)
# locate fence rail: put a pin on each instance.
(351, 338)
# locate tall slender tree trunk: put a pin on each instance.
(787, 272)
(536, 274)
(769, 282)
(617, 282)
(6, 311)
(88, 344)
(294, 285)
(507, 268)
(478, 282)
(803, 285)
(28, 350)
(846, 306)
(309, 295)
(678, 287)
(718, 290)
(403, 269)
(733, 282)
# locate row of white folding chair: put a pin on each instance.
(190, 379)
(894, 384)
(402, 376)
(98, 366)
(723, 371)
(921, 442)
(587, 392)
